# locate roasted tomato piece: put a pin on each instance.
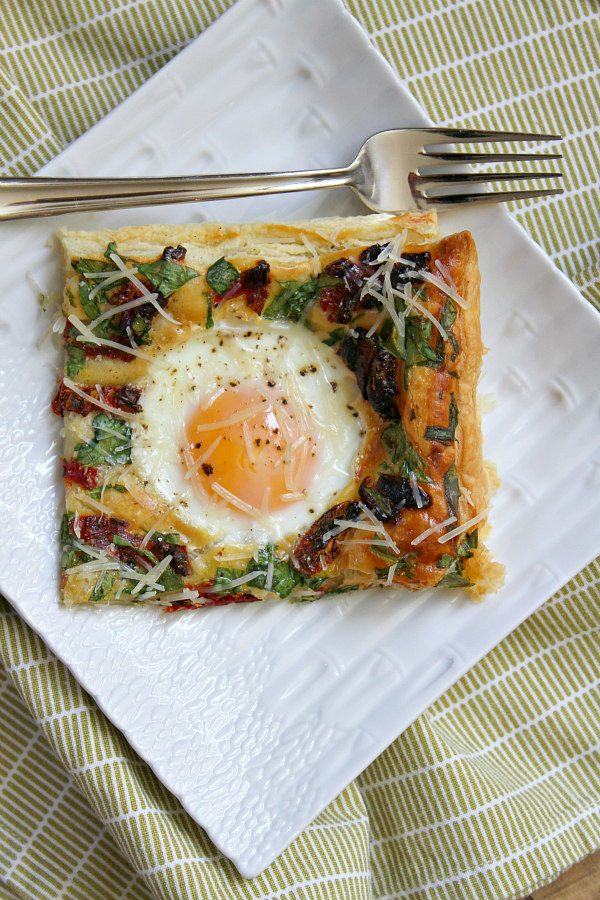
(376, 371)
(86, 476)
(314, 546)
(400, 272)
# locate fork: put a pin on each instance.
(393, 171)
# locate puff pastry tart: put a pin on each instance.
(266, 411)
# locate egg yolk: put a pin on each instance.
(250, 447)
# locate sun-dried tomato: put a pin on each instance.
(252, 285)
(86, 476)
(123, 397)
(314, 549)
(98, 531)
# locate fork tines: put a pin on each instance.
(441, 137)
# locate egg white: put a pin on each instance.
(206, 361)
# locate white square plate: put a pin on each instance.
(257, 717)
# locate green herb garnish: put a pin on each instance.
(285, 578)
(111, 444)
(96, 493)
(454, 576)
(166, 276)
(417, 349)
(384, 553)
(105, 585)
(209, 313)
(391, 340)
(452, 490)
(75, 360)
(404, 457)
(71, 555)
(335, 337)
(444, 434)
(90, 307)
(292, 300)
(221, 275)
(447, 321)
(295, 297)
(120, 541)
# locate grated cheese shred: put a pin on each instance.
(462, 528)
(425, 534)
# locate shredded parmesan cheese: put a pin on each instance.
(415, 490)
(175, 596)
(237, 582)
(205, 456)
(316, 262)
(242, 416)
(100, 507)
(235, 501)
(86, 335)
(391, 573)
(270, 573)
(460, 528)
(414, 304)
(451, 292)
(131, 304)
(378, 320)
(150, 298)
(150, 579)
(432, 530)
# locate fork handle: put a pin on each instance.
(22, 198)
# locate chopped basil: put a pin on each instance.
(88, 266)
(455, 576)
(224, 577)
(469, 543)
(384, 553)
(71, 555)
(285, 578)
(405, 458)
(111, 444)
(292, 300)
(418, 352)
(112, 248)
(445, 561)
(90, 307)
(380, 502)
(343, 589)
(96, 493)
(171, 580)
(169, 537)
(140, 328)
(75, 360)
(391, 340)
(104, 586)
(452, 490)
(221, 275)
(166, 276)
(335, 337)
(447, 321)
(209, 313)
(295, 297)
(119, 541)
(444, 434)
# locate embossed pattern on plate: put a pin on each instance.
(257, 717)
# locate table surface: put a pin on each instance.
(581, 882)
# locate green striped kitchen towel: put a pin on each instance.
(496, 788)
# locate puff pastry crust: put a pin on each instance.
(420, 475)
